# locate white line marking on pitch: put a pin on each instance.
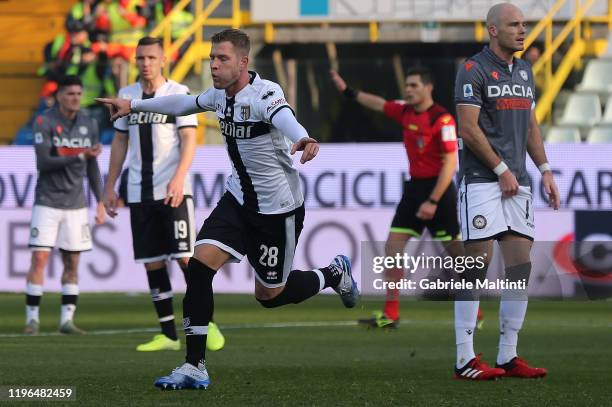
(223, 327)
(561, 324)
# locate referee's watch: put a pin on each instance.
(432, 201)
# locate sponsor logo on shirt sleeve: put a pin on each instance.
(449, 133)
(267, 94)
(446, 119)
(467, 90)
(276, 103)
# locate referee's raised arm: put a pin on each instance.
(368, 100)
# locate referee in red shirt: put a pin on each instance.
(430, 197)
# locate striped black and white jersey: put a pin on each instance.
(263, 178)
(154, 144)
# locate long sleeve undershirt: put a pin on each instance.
(181, 105)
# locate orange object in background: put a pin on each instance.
(103, 23)
(114, 50)
(48, 89)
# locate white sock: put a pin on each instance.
(511, 317)
(67, 311)
(32, 311)
(465, 325)
(321, 279)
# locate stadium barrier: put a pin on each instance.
(351, 191)
(345, 176)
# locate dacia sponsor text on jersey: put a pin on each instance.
(494, 91)
(71, 142)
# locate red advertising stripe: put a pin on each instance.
(514, 104)
(69, 151)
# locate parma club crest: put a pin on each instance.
(245, 112)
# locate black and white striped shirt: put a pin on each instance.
(154, 144)
(263, 178)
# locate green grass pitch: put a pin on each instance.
(308, 354)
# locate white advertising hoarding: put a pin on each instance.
(346, 176)
(110, 265)
(351, 191)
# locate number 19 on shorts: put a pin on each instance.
(180, 229)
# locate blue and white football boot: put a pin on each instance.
(186, 376)
(347, 287)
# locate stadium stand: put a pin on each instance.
(114, 25)
(558, 134)
(607, 116)
(608, 52)
(582, 110)
(21, 55)
(597, 77)
(600, 134)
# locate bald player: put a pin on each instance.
(495, 99)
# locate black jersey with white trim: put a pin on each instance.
(263, 178)
(154, 144)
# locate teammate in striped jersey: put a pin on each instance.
(262, 212)
(161, 148)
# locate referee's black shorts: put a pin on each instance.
(443, 226)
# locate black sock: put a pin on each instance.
(300, 286)
(69, 299)
(183, 268)
(33, 297)
(198, 307)
(161, 294)
(332, 276)
(33, 300)
(474, 275)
